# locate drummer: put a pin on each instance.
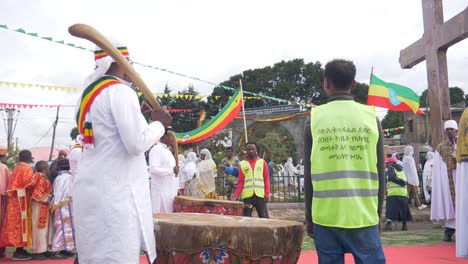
(254, 183)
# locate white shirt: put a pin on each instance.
(111, 195)
(164, 184)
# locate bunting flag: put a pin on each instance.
(275, 119)
(42, 86)
(62, 42)
(386, 130)
(201, 118)
(176, 110)
(392, 96)
(222, 119)
(26, 106)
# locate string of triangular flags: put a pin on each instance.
(26, 106)
(33, 34)
(42, 86)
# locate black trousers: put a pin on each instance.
(258, 203)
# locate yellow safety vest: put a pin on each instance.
(344, 165)
(253, 180)
(395, 189)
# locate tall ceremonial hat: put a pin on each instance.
(450, 124)
(103, 61)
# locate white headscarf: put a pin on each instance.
(427, 174)
(207, 154)
(289, 169)
(189, 169)
(409, 167)
(394, 155)
(181, 160)
(102, 65)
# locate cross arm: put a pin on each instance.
(453, 30)
(413, 54)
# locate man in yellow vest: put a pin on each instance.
(254, 183)
(396, 208)
(344, 179)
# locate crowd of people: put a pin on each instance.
(36, 210)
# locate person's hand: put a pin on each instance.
(162, 116)
(310, 229)
(176, 170)
(233, 197)
(267, 199)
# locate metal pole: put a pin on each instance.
(243, 111)
(53, 133)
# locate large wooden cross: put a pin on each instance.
(432, 47)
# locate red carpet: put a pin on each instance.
(395, 255)
(403, 254)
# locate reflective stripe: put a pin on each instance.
(254, 186)
(346, 193)
(344, 174)
(249, 180)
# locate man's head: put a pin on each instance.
(62, 154)
(451, 129)
(251, 149)
(390, 161)
(63, 165)
(229, 152)
(42, 167)
(339, 77)
(25, 156)
(166, 139)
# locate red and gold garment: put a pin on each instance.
(41, 192)
(16, 230)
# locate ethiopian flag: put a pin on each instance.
(392, 96)
(222, 119)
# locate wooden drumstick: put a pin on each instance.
(87, 32)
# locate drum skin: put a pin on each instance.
(187, 204)
(209, 238)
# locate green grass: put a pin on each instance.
(398, 238)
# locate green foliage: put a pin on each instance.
(291, 80)
(11, 160)
(273, 144)
(456, 96)
(393, 119)
(360, 92)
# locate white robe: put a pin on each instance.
(111, 195)
(441, 205)
(461, 191)
(164, 184)
(427, 177)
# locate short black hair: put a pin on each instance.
(25, 156)
(229, 148)
(340, 73)
(251, 143)
(41, 165)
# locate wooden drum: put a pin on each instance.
(209, 238)
(188, 204)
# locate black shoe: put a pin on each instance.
(58, 256)
(20, 256)
(388, 227)
(447, 238)
(40, 256)
(67, 253)
(404, 227)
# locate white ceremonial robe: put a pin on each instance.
(427, 176)
(111, 194)
(441, 206)
(164, 184)
(461, 207)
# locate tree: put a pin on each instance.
(393, 119)
(360, 92)
(290, 80)
(74, 133)
(186, 121)
(273, 144)
(166, 100)
(456, 96)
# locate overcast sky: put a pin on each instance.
(211, 40)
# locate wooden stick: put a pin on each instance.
(87, 32)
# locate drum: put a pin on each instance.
(208, 238)
(187, 204)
